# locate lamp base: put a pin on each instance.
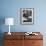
(9, 33)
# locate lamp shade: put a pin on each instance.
(9, 21)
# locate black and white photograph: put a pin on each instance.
(27, 15)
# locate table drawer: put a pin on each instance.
(9, 43)
(16, 37)
(33, 37)
(13, 43)
(33, 43)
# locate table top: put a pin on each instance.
(22, 35)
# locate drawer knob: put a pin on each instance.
(33, 42)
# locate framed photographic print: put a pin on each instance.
(27, 15)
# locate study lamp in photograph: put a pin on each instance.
(9, 22)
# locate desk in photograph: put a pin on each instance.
(20, 39)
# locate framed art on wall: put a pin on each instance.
(27, 15)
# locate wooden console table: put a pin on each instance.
(20, 39)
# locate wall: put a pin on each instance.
(11, 8)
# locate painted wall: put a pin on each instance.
(11, 8)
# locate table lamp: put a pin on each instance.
(9, 21)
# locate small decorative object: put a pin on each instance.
(9, 21)
(27, 15)
(28, 33)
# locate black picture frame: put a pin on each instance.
(27, 15)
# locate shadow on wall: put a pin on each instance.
(1, 39)
(2, 21)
